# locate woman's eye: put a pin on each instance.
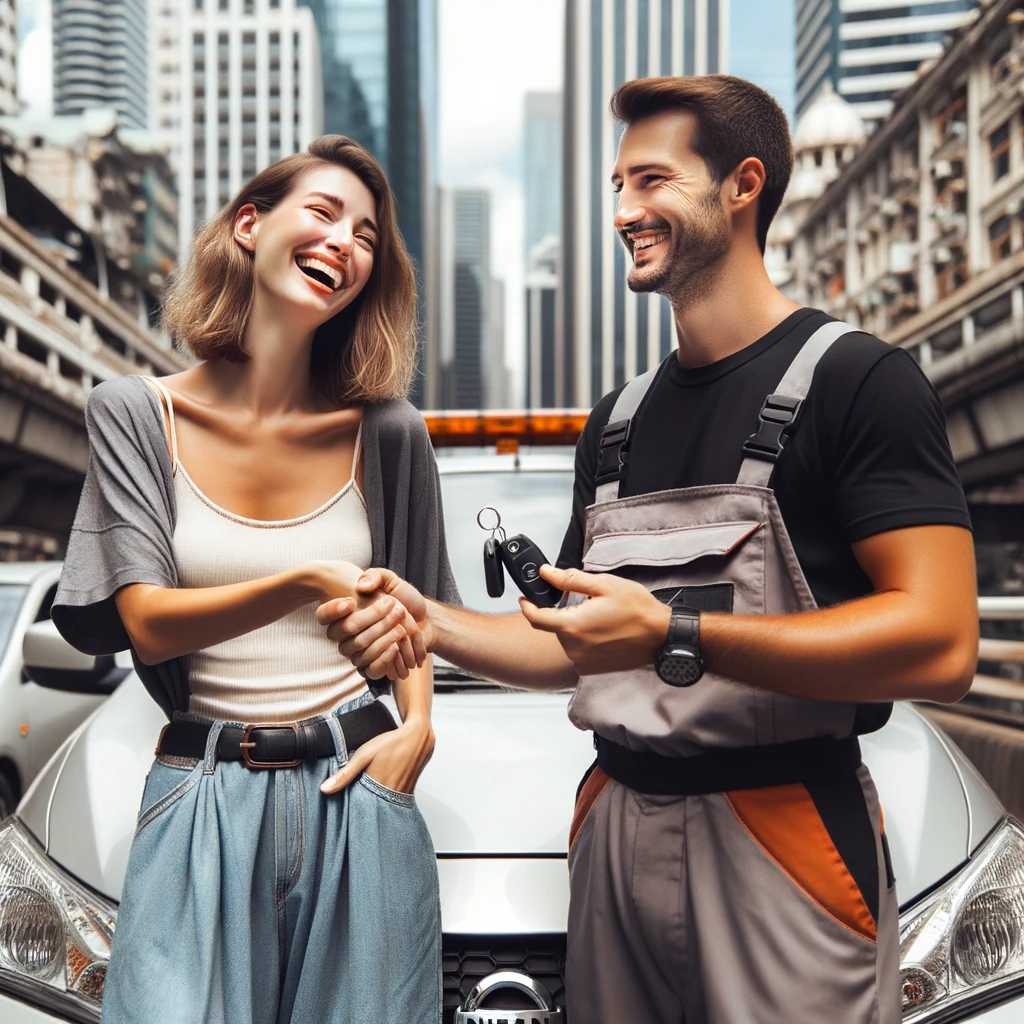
(369, 241)
(321, 212)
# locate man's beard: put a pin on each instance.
(696, 249)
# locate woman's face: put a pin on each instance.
(314, 250)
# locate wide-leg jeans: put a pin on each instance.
(253, 898)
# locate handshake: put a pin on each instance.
(387, 629)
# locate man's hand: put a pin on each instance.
(621, 627)
(384, 634)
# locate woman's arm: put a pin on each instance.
(165, 622)
(396, 759)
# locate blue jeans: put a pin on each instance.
(253, 898)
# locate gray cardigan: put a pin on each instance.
(125, 521)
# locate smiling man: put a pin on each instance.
(774, 545)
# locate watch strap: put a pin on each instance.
(684, 629)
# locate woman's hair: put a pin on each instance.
(367, 352)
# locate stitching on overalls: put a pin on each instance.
(173, 797)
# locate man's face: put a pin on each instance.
(670, 215)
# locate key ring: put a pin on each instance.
(494, 530)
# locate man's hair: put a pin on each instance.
(365, 353)
(735, 120)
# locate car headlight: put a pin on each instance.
(962, 947)
(55, 934)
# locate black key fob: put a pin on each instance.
(523, 560)
(493, 573)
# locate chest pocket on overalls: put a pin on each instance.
(712, 567)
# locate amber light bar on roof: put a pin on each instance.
(546, 426)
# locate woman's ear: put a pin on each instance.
(246, 226)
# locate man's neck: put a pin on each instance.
(740, 306)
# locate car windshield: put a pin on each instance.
(535, 502)
(11, 597)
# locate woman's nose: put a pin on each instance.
(341, 240)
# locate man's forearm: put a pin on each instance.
(504, 648)
(876, 648)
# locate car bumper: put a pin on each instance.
(1011, 1012)
(14, 1012)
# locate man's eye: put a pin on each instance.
(650, 179)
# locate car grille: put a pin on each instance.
(467, 959)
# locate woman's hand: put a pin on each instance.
(331, 579)
(394, 759)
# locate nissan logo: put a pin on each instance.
(487, 1002)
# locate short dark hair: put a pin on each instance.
(735, 120)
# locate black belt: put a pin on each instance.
(820, 759)
(276, 746)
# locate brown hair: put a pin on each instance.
(735, 120)
(367, 352)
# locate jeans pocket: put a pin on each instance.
(407, 800)
(165, 785)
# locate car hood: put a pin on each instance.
(497, 796)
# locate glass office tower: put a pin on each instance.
(379, 66)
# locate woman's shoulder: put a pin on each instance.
(397, 420)
(120, 399)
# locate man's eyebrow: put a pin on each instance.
(340, 203)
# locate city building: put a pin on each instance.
(828, 136)
(237, 88)
(919, 239)
(869, 49)
(8, 57)
(100, 56)
(607, 334)
(471, 372)
(117, 185)
(542, 370)
(379, 61)
(542, 167)
(62, 331)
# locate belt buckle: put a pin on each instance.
(246, 744)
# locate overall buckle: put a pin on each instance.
(778, 414)
(246, 744)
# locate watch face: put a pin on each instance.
(679, 667)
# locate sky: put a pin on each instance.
(492, 52)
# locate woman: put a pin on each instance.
(280, 870)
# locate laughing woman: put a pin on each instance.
(280, 870)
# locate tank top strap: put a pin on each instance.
(166, 395)
(358, 445)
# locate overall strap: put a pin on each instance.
(780, 410)
(614, 444)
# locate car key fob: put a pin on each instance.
(493, 573)
(523, 560)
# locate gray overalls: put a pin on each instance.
(727, 860)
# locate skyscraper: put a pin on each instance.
(869, 51)
(100, 50)
(608, 334)
(248, 94)
(8, 59)
(379, 60)
(542, 151)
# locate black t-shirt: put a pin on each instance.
(868, 454)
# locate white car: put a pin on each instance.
(498, 796)
(34, 720)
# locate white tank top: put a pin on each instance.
(288, 670)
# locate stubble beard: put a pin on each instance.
(690, 268)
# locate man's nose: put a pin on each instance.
(627, 214)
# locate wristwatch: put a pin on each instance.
(678, 663)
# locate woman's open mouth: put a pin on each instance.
(320, 272)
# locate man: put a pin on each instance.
(764, 575)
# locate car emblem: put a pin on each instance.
(489, 991)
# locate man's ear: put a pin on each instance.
(745, 183)
(246, 227)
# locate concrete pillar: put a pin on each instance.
(927, 292)
(1017, 307)
(975, 173)
(30, 280)
(967, 331)
(11, 336)
(924, 351)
